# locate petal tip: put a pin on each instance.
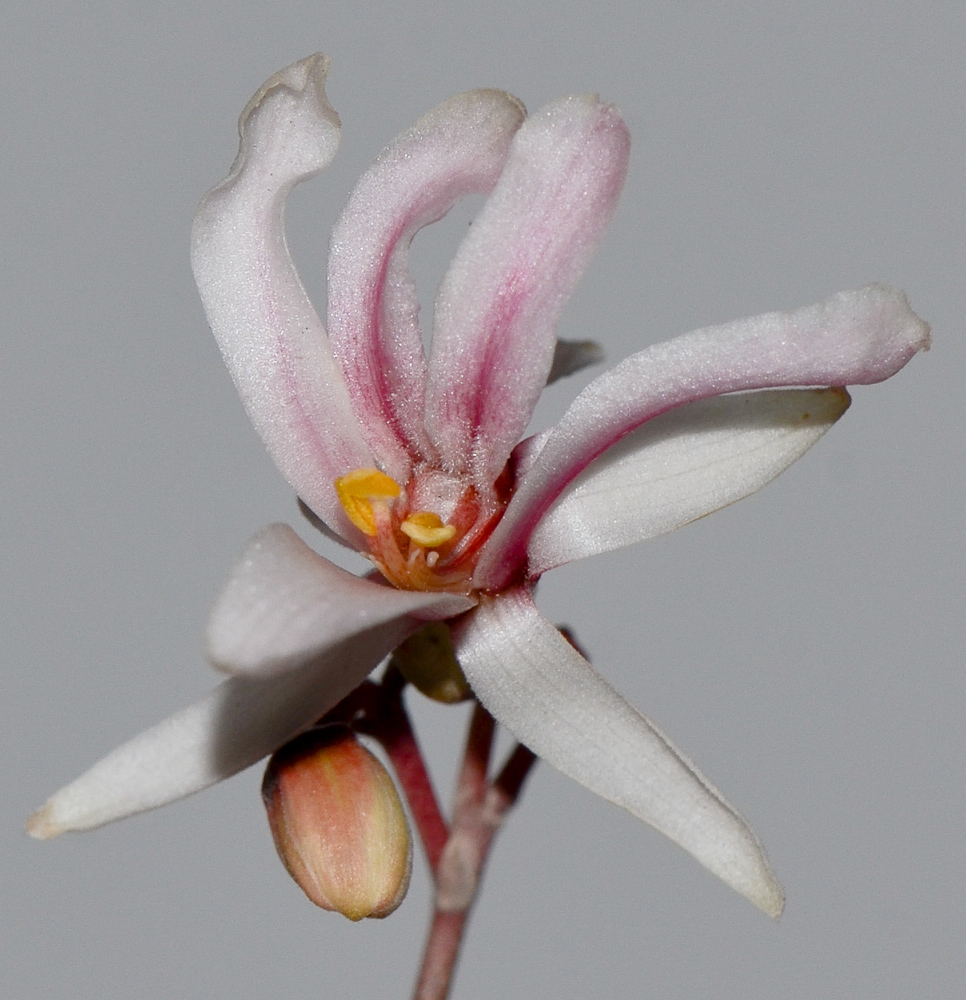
(486, 103)
(841, 397)
(305, 77)
(923, 340)
(42, 824)
(288, 130)
(744, 867)
(900, 332)
(774, 906)
(768, 895)
(919, 332)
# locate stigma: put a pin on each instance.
(425, 535)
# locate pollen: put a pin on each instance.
(426, 529)
(358, 489)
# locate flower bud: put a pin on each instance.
(427, 660)
(338, 824)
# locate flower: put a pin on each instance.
(414, 461)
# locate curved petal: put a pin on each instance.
(680, 466)
(273, 342)
(493, 337)
(853, 338)
(538, 686)
(457, 149)
(284, 605)
(233, 727)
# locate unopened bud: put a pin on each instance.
(427, 660)
(338, 824)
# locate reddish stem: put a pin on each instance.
(439, 958)
(456, 853)
(509, 782)
(407, 761)
(479, 810)
(389, 724)
(471, 783)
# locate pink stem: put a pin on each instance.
(389, 723)
(479, 810)
(407, 761)
(471, 784)
(456, 853)
(439, 958)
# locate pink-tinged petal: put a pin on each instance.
(459, 148)
(284, 605)
(493, 339)
(545, 693)
(853, 338)
(680, 466)
(233, 727)
(526, 453)
(274, 343)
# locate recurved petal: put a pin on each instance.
(457, 149)
(493, 335)
(853, 338)
(273, 342)
(285, 605)
(537, 685)
(680, 466)
(234, 726)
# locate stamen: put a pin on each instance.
(356, 491)
(416, 549)
(427, 529)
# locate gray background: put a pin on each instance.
(805, 646)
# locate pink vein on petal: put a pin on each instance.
(458, 148)
(853, 338)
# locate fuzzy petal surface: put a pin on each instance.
(853, 338)
(458, 148)
(493, 334)
(233, 727)
(545, 693)
(284, 605)
(680, 466)
(273, 342)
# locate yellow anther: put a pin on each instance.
(356, 491)
(367, 484)
(426, 529)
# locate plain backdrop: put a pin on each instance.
(805, 646)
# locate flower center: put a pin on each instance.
(426, 535)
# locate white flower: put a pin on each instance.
(415, 462)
